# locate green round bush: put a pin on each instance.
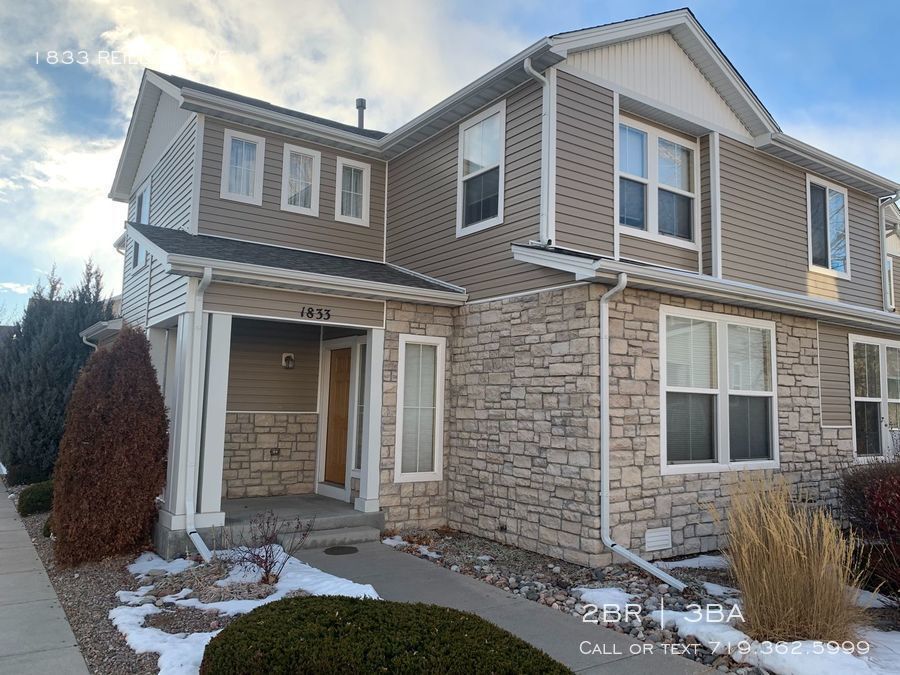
(329, 634)
(36, 498)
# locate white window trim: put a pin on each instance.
(883, 400)
(339, 186)
(652, 183)
(722, 391)
(828, 185)
(313, 209)
(441, 344)
(462, 230)
(256, 199)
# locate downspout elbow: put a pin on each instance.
(529, 68)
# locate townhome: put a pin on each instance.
(567, 308)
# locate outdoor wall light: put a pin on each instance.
(287, 361)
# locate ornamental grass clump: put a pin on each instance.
(112, 459)
(793, 565)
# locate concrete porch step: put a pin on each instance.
(342, 536)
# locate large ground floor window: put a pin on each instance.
(875, 389)
(717, 386)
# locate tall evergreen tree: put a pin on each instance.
(39, 364)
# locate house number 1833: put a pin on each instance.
(318, 313)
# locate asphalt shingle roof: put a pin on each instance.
(215, 91)
(179, 242)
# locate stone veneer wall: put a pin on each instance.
(524, 463)
(411, 504)
(640, 497)
(269, 454)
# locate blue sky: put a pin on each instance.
(826, 70)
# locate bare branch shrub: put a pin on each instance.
(269, 543)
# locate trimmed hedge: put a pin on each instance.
(329, 634)
(36, 498)
(112, 459)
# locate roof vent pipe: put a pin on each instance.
(360, 112)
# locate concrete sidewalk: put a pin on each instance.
(403, 577)
(35, 636)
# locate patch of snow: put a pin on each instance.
(485, 558)
(150, 561)
(133, 597)
(427, 552)
(397, 541)
(870, 600)
(607, 598)
(394, 541)
(709, 562)
(2, 469)
(181, 654)
(720, 591)
(786, 658)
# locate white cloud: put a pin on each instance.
(13, 287)
(317, 56)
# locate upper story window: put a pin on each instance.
(300, 180)
(876, 394)
(657, 182)
(242, 167)
(718, 392)
(828, 228)
(142, 216)
(352, 192)
(479, 203)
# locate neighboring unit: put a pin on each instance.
(567, 308)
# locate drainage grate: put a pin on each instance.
(341, 550)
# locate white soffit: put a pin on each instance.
(657, 68)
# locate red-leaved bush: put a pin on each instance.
(112, 457)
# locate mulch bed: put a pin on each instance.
(87, 593)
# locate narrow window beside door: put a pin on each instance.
(420, 408)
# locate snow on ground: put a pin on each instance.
(149, 561)
(709, 562)
(720, 591)
(882, 649)
(870, 600)
(397, 541)
(181, 654)
(2, 469)
(607, 598)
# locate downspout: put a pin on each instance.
(89, 344)
(886, 291)
(190, 496)
(543, 234)
(604, 444)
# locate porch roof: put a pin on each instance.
(187, 254)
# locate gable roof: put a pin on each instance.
(681, 24)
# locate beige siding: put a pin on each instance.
(705, 207)
(282, 304)
(896, 259)
(422, 209)
(764, 230)
(656, 252)
(171, 189)
(584, 166)
(268, 223)
(834, 370)
(256, 379)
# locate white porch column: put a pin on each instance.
(159, 343)
(370, 478)
(209, 501)
(172, 513)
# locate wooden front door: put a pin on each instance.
(338, 416)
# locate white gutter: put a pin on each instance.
(604, 445)
(196, 420)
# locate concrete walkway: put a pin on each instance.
(35, 636)
(403, 577)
